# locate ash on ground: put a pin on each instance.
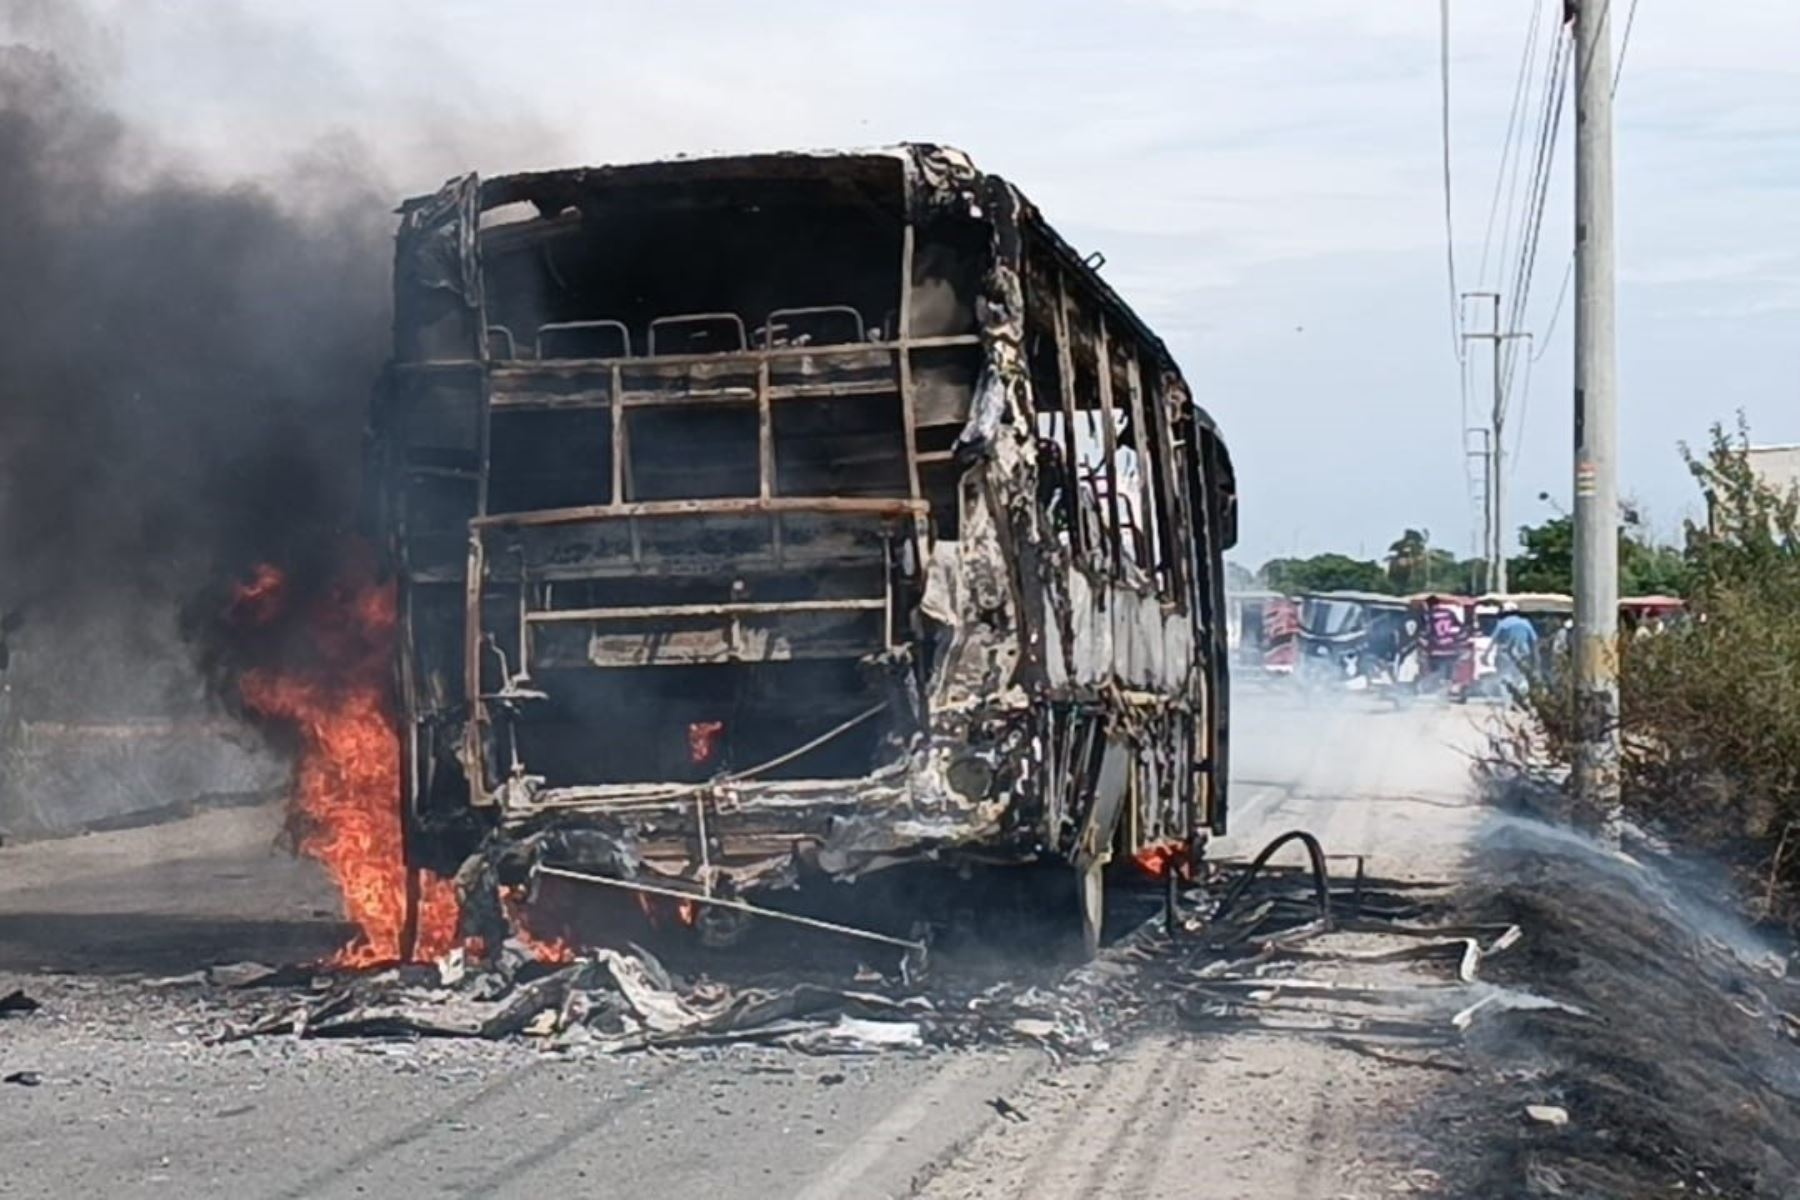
(1671, 1061)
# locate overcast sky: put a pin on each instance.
(1262, 175)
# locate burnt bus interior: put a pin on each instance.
(701, 473)
(667, 445)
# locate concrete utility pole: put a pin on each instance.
(1483, 455)
(1494, 500)
(1596, 421)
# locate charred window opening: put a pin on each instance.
(1096, 432)
(1104, 455)
(1157, 453)
(548, 459)
(949, 260)
(692, 723)
(668, 267)
(839, 448)
(1056, 450)
(691, 453)
(603, 674)
(943, 382)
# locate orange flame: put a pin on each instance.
(656, 909)
(347, 783)
(546, 950)
(1159, 858)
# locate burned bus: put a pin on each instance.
(793, 515)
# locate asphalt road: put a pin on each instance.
(129, 1102)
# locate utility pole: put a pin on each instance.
(1494, 508)
(1596, 422)
(1483, 454)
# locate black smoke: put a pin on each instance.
(185, 371)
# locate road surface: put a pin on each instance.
(129, 1102)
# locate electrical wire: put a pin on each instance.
(1512, 467)
(1569, 268)
(1510, 229)
(1315, 858)
(1456, 341)
(1562, 291)
(1624, 45)
(1550, 130)
(1561, 294)
(1530, 230)
(1605, 29)
(1514, 126)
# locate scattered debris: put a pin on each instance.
(870, 1035)
(16, 1004)
(1006, 1110)
(1547, 1114)
(1247, 960)
(1396, 1060)
(187, 979)
(244, 974)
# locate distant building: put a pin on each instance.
(1777, 466)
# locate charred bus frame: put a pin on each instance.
(779, 514)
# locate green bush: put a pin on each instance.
(1710, 709)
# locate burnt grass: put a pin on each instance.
(1680, 1076)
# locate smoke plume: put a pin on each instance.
(184, 374)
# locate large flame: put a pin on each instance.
(348, 777)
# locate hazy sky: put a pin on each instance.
(1262, 175)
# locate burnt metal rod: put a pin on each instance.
(797, 751)
(737, 905)
(751, 772)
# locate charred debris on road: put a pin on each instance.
(1371, 964)
(1583, 1025)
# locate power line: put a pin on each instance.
(1624, 45)
(1561, 293)
(1510, 230)
(1625, 40)
(1521, 85)
(1524, 408)
(1549, 134)
(1449, 226)
(1569, 267)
